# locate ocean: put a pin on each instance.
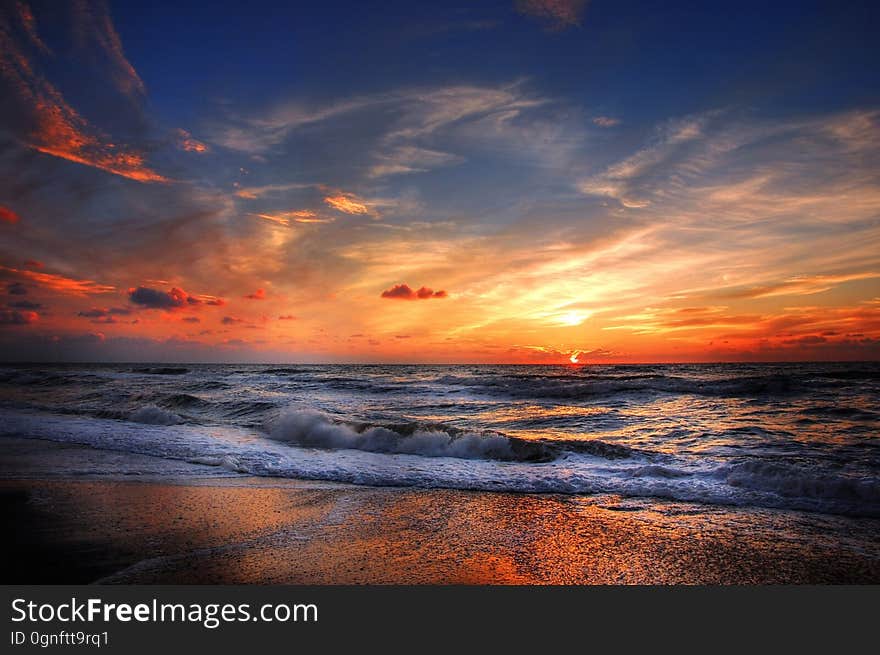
(780, 436)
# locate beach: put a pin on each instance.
(70, 526)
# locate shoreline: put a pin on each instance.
(238, 529)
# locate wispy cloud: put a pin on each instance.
(557, 14)
(186, 142)
(606, 121)
(55, 127)
(94, 30)
(285, 218)
(29, 26)
(802, 285)
(411, 159)
(58, 283)
(50, 124)
(399, 118)
(348, 203)
(625, 181)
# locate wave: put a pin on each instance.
(307, 444)
(313, 429)
(585, 387)
(152, 415)
(161, 370)
(792, 481)
(286, 370)
(184, 400)
(36, 378)
(843, 412)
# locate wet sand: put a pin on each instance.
(257, 530)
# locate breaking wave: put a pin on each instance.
(152, 415)
(313, 429)
(310, 445)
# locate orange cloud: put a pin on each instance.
(259, 294)
(347, 203)
(8, 216)
(307, 216)
(297, 216)
(59, 283)
(57, 129)
(186, 142)
(405, 292)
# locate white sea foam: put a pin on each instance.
(310, 428)
(152, 415)
(311, 446)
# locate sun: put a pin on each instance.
(574, 358)
(572, 318)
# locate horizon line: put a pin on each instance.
(566, 364)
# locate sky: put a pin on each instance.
(527, 181)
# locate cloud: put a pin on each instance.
(296, 216)
(802, 285)
(287, 317)
(410, 159)
(47, 123)
(556, 354)
(93, 29)
(606, 121)
(259, 134)
(557, 14)
(12, 317)
(405, 292)
(806, 340)
(187, 143)
(24, 304)
(255, 192)
(29, 25)
(347, 203)
(191, 319)
(628, 181)
(33, 263)
(232, 320)
(16, 289)
(149, 298)
(99, 312)
(8, 216)
(259, 294)
(394, 118)
(58, 283)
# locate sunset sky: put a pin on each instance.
(439, 182)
